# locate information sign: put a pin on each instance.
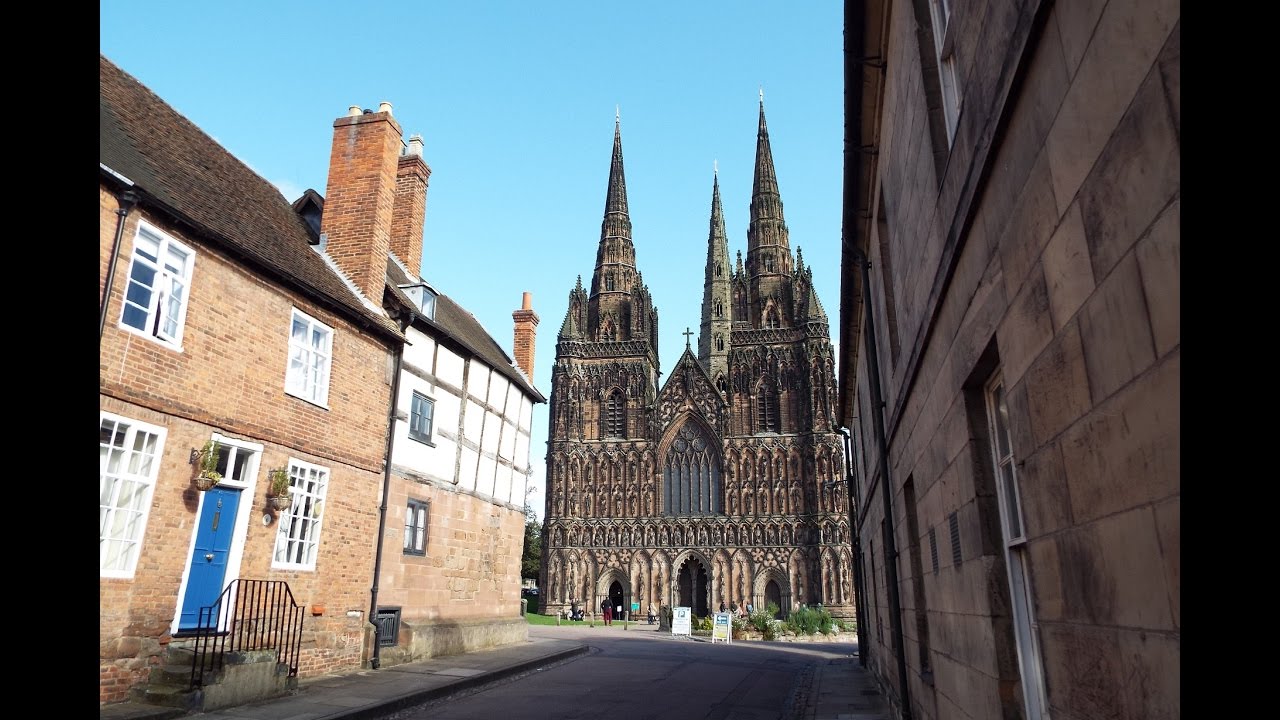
(722, 628)
(680, 621)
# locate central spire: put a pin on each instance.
(768, 249)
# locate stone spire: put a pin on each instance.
(609, 316)
(769, 264)
(713, 335)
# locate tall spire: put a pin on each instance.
(766, 202)
(614, 284)
(769, 262)
(615, 205)
(713, 332)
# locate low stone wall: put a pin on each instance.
(422, 639)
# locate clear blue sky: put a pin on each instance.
(515, 103)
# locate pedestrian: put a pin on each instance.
(722, 607)
(606, 609)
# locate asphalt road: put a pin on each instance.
(642, 674)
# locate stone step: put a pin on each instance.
(174, 696)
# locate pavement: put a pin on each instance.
(839, 689)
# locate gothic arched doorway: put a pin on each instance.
(772, 594)
(616, 600)
(691, 587)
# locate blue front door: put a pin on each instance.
(209, 563)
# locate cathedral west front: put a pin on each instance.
(724, 484)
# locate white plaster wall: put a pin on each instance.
(467, 469)
(478, 382)
(421, 350)
(449, 366)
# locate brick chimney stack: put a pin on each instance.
(526, 328)
(411, 206)
(360, 196)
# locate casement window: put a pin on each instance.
(943, 32)
(155, 298)
(1026, 629)
(310, 356)
(128, 462)
(615, 415)
(298, 536)
(421, 417)
(415, 527)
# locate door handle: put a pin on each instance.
(209, 557)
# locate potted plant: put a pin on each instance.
(278, 486)
(208, 457)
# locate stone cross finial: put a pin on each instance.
(687, 333)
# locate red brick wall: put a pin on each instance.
(360, 198)
(229, 377)
(410, 211)
(526, 330)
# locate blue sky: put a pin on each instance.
(515, 102)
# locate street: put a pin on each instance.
(641, 673)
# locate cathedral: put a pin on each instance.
(724, 484)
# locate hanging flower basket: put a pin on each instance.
(280, 502)
(207, 476)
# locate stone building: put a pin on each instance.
(1010, 354)
(725, 482)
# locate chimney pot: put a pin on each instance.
(385, 107)
(415, 146)
(528, 302)
(353, 111)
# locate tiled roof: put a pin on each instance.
(455, 322)
(185, 173)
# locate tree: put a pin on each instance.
(531, 560)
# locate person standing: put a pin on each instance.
(606, 609)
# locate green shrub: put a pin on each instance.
(809, 621)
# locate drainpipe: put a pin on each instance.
(858, 578)
(886, 486)
(127, 200)
(375, 659)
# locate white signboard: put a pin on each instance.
(722, 628)
(680, 622)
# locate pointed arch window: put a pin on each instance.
(608, 281)
(691, 474)
(767, 418)
(719, 309)
(771, 321)
(614, 418)
(768, 263)
(719, 342)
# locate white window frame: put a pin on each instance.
(133, 468)
(298, 535)
(308, 367)
(1013, 530)
(416, 523)
(168, 282)
(943, 45)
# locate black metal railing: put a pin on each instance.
(248, 615)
